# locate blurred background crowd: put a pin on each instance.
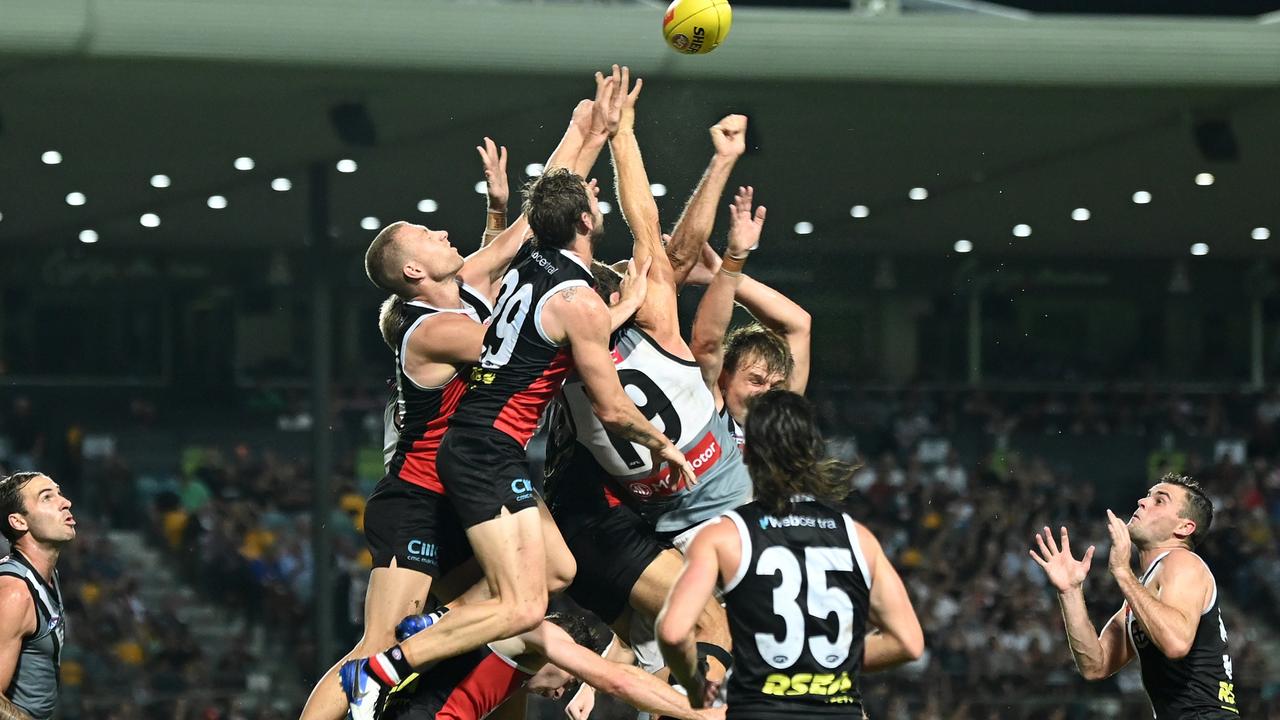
(190, 587)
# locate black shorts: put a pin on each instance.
(415, 526)
(483, 471)
(613, 549)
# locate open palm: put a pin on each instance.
(1063, 570)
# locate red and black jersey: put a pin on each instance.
(520, 367)
(466, 687)
(422, 414)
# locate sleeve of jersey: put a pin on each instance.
(485, 688)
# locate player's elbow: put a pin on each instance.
(913, 645)
(1177, 649)
(704, 348)
(801, 324)
(1092, 673)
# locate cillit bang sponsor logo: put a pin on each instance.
(702, 457)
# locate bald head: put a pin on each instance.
(384, 259)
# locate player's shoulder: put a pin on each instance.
(16, 603)
(578, 300)
(1182, 561)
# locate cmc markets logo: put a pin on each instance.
(419, 549)
(522, 487)
(640, 489)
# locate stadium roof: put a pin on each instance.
(1002, 123)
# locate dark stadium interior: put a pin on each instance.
(164, 375)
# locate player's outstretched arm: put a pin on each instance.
(579, 316)
(658, 314)
(699, 216)
(1170, 618)
(1096, 655)
(494, 159)
(715, 547)
(607, 101)
(625, 682)
(711, 321)
(784, 316)
(484, 268)
(900, 639)
(17, 619)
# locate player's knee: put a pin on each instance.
(527, 613)
(560, 574)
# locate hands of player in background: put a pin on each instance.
(1121, 557)
(606, 93)
(1065, 572)
(627, 118)
(582, 114)
(744, 228)
(635, 283)
(611, 94)
(729, 136)
(708, 265)
(494, 160)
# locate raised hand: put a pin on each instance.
(635, 283)
(494, 159)
(606, 90)
(729, 136)
(744, 227)
(611, 93)
(582, 115)
(705, 270)
(627, 119)
(1121, 557)
(1065, 572)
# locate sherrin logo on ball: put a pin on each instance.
(696, 27)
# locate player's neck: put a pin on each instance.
(1148, 555)
(442, 294)
(42, 557)
(581, 246)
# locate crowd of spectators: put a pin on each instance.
(896, 418)
(995, 644)
(235, 524)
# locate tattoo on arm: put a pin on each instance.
(639, 434)
(568, 294)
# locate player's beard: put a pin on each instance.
(597, 230)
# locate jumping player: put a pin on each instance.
(740, 364)
(546, 321)
(435, 323)
(802, 583)
(623, 563)
(37, 522)
(1170, 619)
